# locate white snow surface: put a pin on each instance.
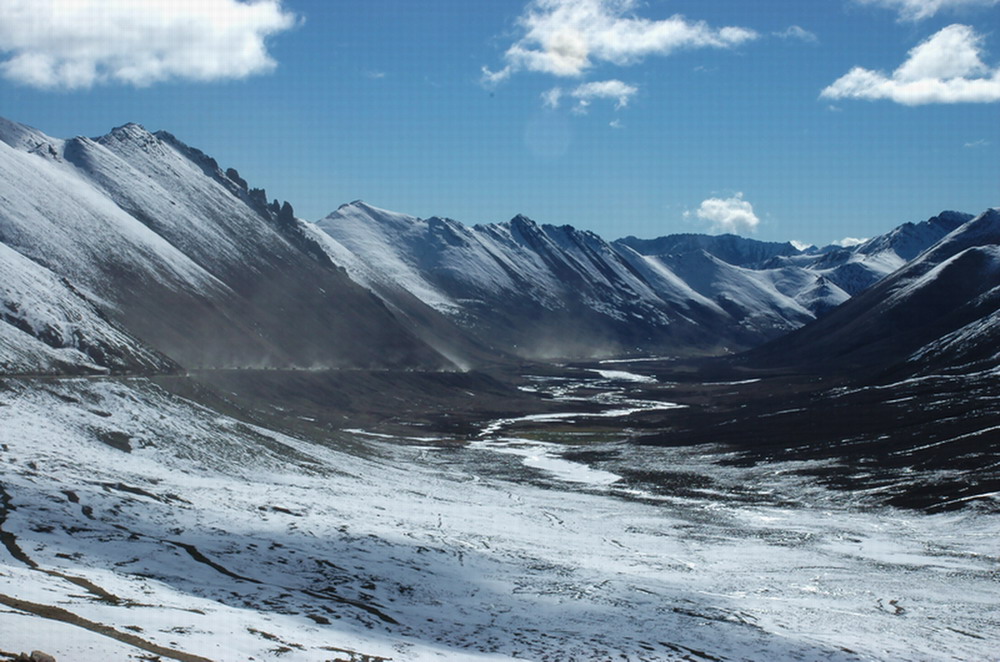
(625, 376)
(44, 326)
(74, 231)
(232, 542)
(545, 457)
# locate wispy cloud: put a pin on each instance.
(566, 37)
(977, 143)
(374, 75)
(68, 45)
(917, 10)
(945, 68)
(605, 89)
(733, 215)
(551, 98)
(797, 32)
(587, 92)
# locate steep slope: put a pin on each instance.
(530, 289)
(541, 290)
(772, 288)
(48, 327)
(970, 348)
(764, 302)
(186, 257)
(940, 306)
(203, 268)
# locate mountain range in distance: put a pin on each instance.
(136, 252)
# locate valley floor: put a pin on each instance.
(138, 524)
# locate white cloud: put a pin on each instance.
(945, 68)
(915, 10)
(605, 89)
(977, 143)
(796, 32)
(566, 37)
(587, 92)
(80, 43)
(733, 215)
(616, 124)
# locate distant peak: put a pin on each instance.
(130, 129)
(128, 134)
(360, 208)
(354, 203)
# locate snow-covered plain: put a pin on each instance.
(213, 539)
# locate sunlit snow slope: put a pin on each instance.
(540, 290)
(186, 257)
(46, 326)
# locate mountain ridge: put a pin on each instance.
(187, 260)
(945, 289)
(198, 266)
(677, 293)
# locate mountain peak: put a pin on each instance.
(949, 217)
(984, 228)
(130, 131)
(20, 136)
(523, 224)
(361, 205)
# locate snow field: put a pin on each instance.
(234, 542)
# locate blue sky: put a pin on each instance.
(778, 119)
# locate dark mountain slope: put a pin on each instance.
(948, 288)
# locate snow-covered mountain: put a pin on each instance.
(182, 255)
(173, 256)
(531, 289)
(541, 290)
(939, 311)
(856, 268)
(47, 326)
